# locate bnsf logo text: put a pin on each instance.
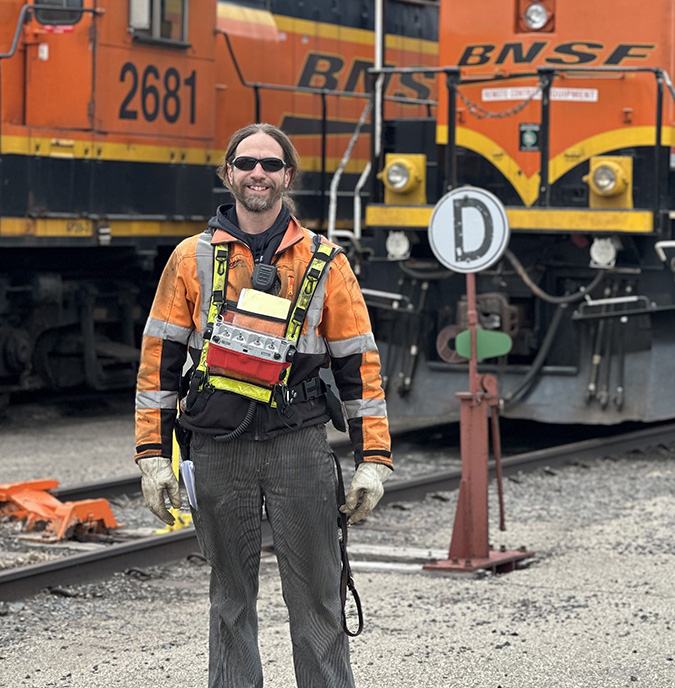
(573, 53)
(333, 74)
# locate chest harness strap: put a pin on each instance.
(278, 395)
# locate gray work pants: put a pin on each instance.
(294, 476)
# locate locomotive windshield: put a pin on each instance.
(59, 16)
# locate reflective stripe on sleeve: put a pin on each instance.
(354, 345)
(196, 340)
(166, 330)
(360, 408)
(156, 400)
(204, 258)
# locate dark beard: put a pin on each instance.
(254, 203)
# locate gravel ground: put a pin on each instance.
(595, 606)
(56, 442)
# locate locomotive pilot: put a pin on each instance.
(261, 304)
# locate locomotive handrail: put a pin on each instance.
(669, 83)
(632, 305)
(613, 301)
(332, 233)
(546, 76)
(659, 246)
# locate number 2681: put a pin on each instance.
(159, 94)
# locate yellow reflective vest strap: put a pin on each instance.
(315, 270)
(217, 295)
(320, 259)
(245, 389)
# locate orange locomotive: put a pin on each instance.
(565, 112)
(113, 117)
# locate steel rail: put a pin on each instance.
(161, 549)
(445, 481)
(104, 489)
(83, 568)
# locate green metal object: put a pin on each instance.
(489, 344)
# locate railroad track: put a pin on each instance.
(159, 549)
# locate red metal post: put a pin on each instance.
(472, 319)
(470, 532)
(469, 547)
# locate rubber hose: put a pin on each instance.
(571, 298)
(540, 358)
(421, 275)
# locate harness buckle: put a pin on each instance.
(221, 259)
(312, 278)
(196, 399)
(283, 396)
(312, 388)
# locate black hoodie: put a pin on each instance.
(264, 245)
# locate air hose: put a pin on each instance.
(243, 426)
(537, 291)
(540, 358)
(422, 275)
(562, 302)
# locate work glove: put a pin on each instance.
(158, 476)
(365, 491)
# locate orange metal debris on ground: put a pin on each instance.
(48, 517)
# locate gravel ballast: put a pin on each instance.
(594, 607)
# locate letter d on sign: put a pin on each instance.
(468, 230)
(471, 228)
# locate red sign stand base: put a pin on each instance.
(497, 561)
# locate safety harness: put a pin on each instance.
(267, 358)
(271, 357)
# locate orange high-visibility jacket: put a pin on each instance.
(337, 331)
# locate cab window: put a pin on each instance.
(59, 16)
(162, 21)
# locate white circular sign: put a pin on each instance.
(469, 229)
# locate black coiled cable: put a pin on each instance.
(243, 426)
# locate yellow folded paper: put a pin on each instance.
(254, 301)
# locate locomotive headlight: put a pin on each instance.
(604, 179)
(404, 177)
(398, 176)
(536, 16)
(610, 181)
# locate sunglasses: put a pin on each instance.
(246, 163)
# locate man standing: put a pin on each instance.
(257, 418)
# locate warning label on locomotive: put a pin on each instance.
(529, 137)
(579, 95)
